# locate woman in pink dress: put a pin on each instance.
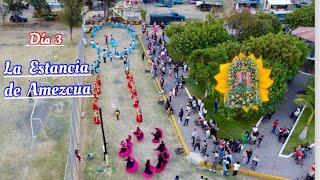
(132, 165)
(123, 152)
(157, 135)
(148, 172)
(139, 134)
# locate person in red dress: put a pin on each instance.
(135, 102)
(96, 117)
(95, 106)
(139, 117)
(133, 92)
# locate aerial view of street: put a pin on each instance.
(157, 89)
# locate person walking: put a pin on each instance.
(180, 115)
(204, 148)
(186, 121)
(117, 112)
(193, 136)
(161, 82)
(197, 144)
(260, 138)
(249, 155)
(170, 95)
(275, 125)
(142, 56)
(236, 167)
(255, 161)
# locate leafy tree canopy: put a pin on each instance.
(304, 16)
(244, 25)
(196, 35)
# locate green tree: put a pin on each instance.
(41, 6)
(174, 28)
(304, 16)
(244, 25)
(308, 100)
(3, 11)
(143, 12)
(196, 35)
(71, 14)
(107, 5)
(204, 64)
(15, 6)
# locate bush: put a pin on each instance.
(196, 35)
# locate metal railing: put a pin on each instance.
(72, 163)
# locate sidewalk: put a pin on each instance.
(270, 162)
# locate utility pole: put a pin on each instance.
(105, 150)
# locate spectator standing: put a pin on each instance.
(170, 95)
(236, 167)
(249, 155)
(193, 136)
(197, 143)
(204, 148)
(186, 121)
(260, 138)
(275, 126)
(180, 115)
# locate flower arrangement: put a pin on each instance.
(244, 82)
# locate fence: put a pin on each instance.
(72, 164)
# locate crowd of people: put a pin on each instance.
(162, 67)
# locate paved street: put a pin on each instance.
(270, 162)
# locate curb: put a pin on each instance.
(247, 172)
(171, 117)
(287, 140)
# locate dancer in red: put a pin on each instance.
(130, 84)
(132, 165)
(139, 134)
(96, 117)
(95, 106)
(139, 117)
(135, 102)
(133, 92)
(148, 171)
(123, 152)
(157, 135)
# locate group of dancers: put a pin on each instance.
(95, 105)
(104, 53)
(132, 165)
(134, 96)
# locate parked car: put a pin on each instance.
(17, 18)
(166, 18)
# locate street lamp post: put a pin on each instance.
(105, 152)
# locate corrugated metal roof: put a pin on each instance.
(306, 33)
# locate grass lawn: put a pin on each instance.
(294, 140)
(198, 89)
(228, 128)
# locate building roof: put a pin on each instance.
(306, 33)
(279, 2)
